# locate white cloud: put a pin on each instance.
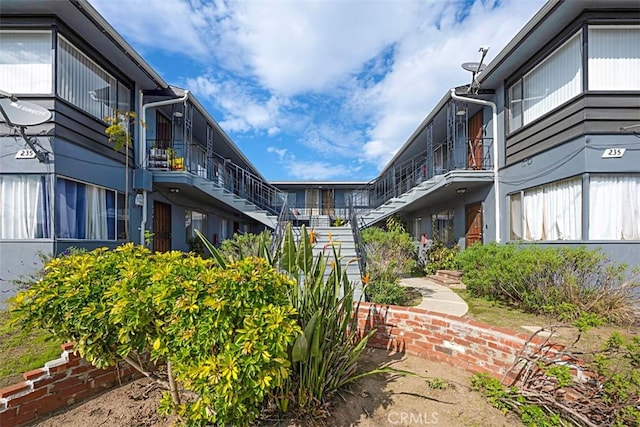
(243, 110)
(426, 64)
(349, 79)
(310, 170)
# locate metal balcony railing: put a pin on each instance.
(403, 177)
(221, 172)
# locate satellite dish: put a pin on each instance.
(474, 67)
(21, 113)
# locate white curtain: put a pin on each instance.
(553, 82)
(554, 211)
(516, 216)
(533, 205)
(25, 61)
(97, 221)
(614, 57)
(614, 207)
(24, 207)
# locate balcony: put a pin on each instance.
(191, 165)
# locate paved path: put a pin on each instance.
(437, 297)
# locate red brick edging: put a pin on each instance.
(59, 383)
(459, 342)
(463, 343)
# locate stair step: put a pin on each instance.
(454, 274)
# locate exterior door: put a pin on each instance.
(474, 146)
(327, 202)
(161, 227)
(311, 202)
(473, 232)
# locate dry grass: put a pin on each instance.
(501, 314)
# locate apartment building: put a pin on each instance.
(62, 183)
(543, 145)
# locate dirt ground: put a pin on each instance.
(375, 401)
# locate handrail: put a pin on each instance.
(278, 233)
(357, 238)
(405, 176)
(224, 174)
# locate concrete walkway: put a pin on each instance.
(436, 297)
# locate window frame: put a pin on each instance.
(116, 216)
(52, 58)
(48, 214)
(521, 194)
(519, 79)
(118, 88)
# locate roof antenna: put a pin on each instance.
(476, 68)
(20, 114)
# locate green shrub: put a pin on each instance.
(222, 333)
(244, 245)
(565, 282)
(386, 293)
(390, 254)
(440, 257)
(325, 357)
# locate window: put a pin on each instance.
(442, 226)
(614, 57)
(551, 83)
(86, 211)
(86, 85)
(25, 207)
(614, 207)
(548, 212)
(25, 62)
(194, 221)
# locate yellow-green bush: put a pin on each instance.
(223, 332)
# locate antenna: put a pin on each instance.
(476, 68)
(20, 114)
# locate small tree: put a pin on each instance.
(222, 333)
(119, 135)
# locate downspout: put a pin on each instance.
(496, 183)
(142, 153)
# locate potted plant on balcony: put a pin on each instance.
(118, 133)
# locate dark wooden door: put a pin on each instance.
(161, 227)
(327, 202)
(473, 232)
(163, 131)
(474, 146)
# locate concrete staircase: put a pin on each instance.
(449, 278)
(394, 204)
(342, 238)
(238, 203)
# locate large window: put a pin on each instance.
(614, 57)
(614, 207)
(86, 211)
(551, 83)
(25, 207)
(194, 221)
(442, 226)
(25, 62)
(548, 212)
(86, 85)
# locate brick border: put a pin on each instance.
(58, 384)
(462, 343)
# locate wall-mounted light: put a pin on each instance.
(461, 111)
(461, 190)
(174, 190)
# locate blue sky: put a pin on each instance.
(317, 90)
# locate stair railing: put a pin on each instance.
(278, 233)
(357, 238)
